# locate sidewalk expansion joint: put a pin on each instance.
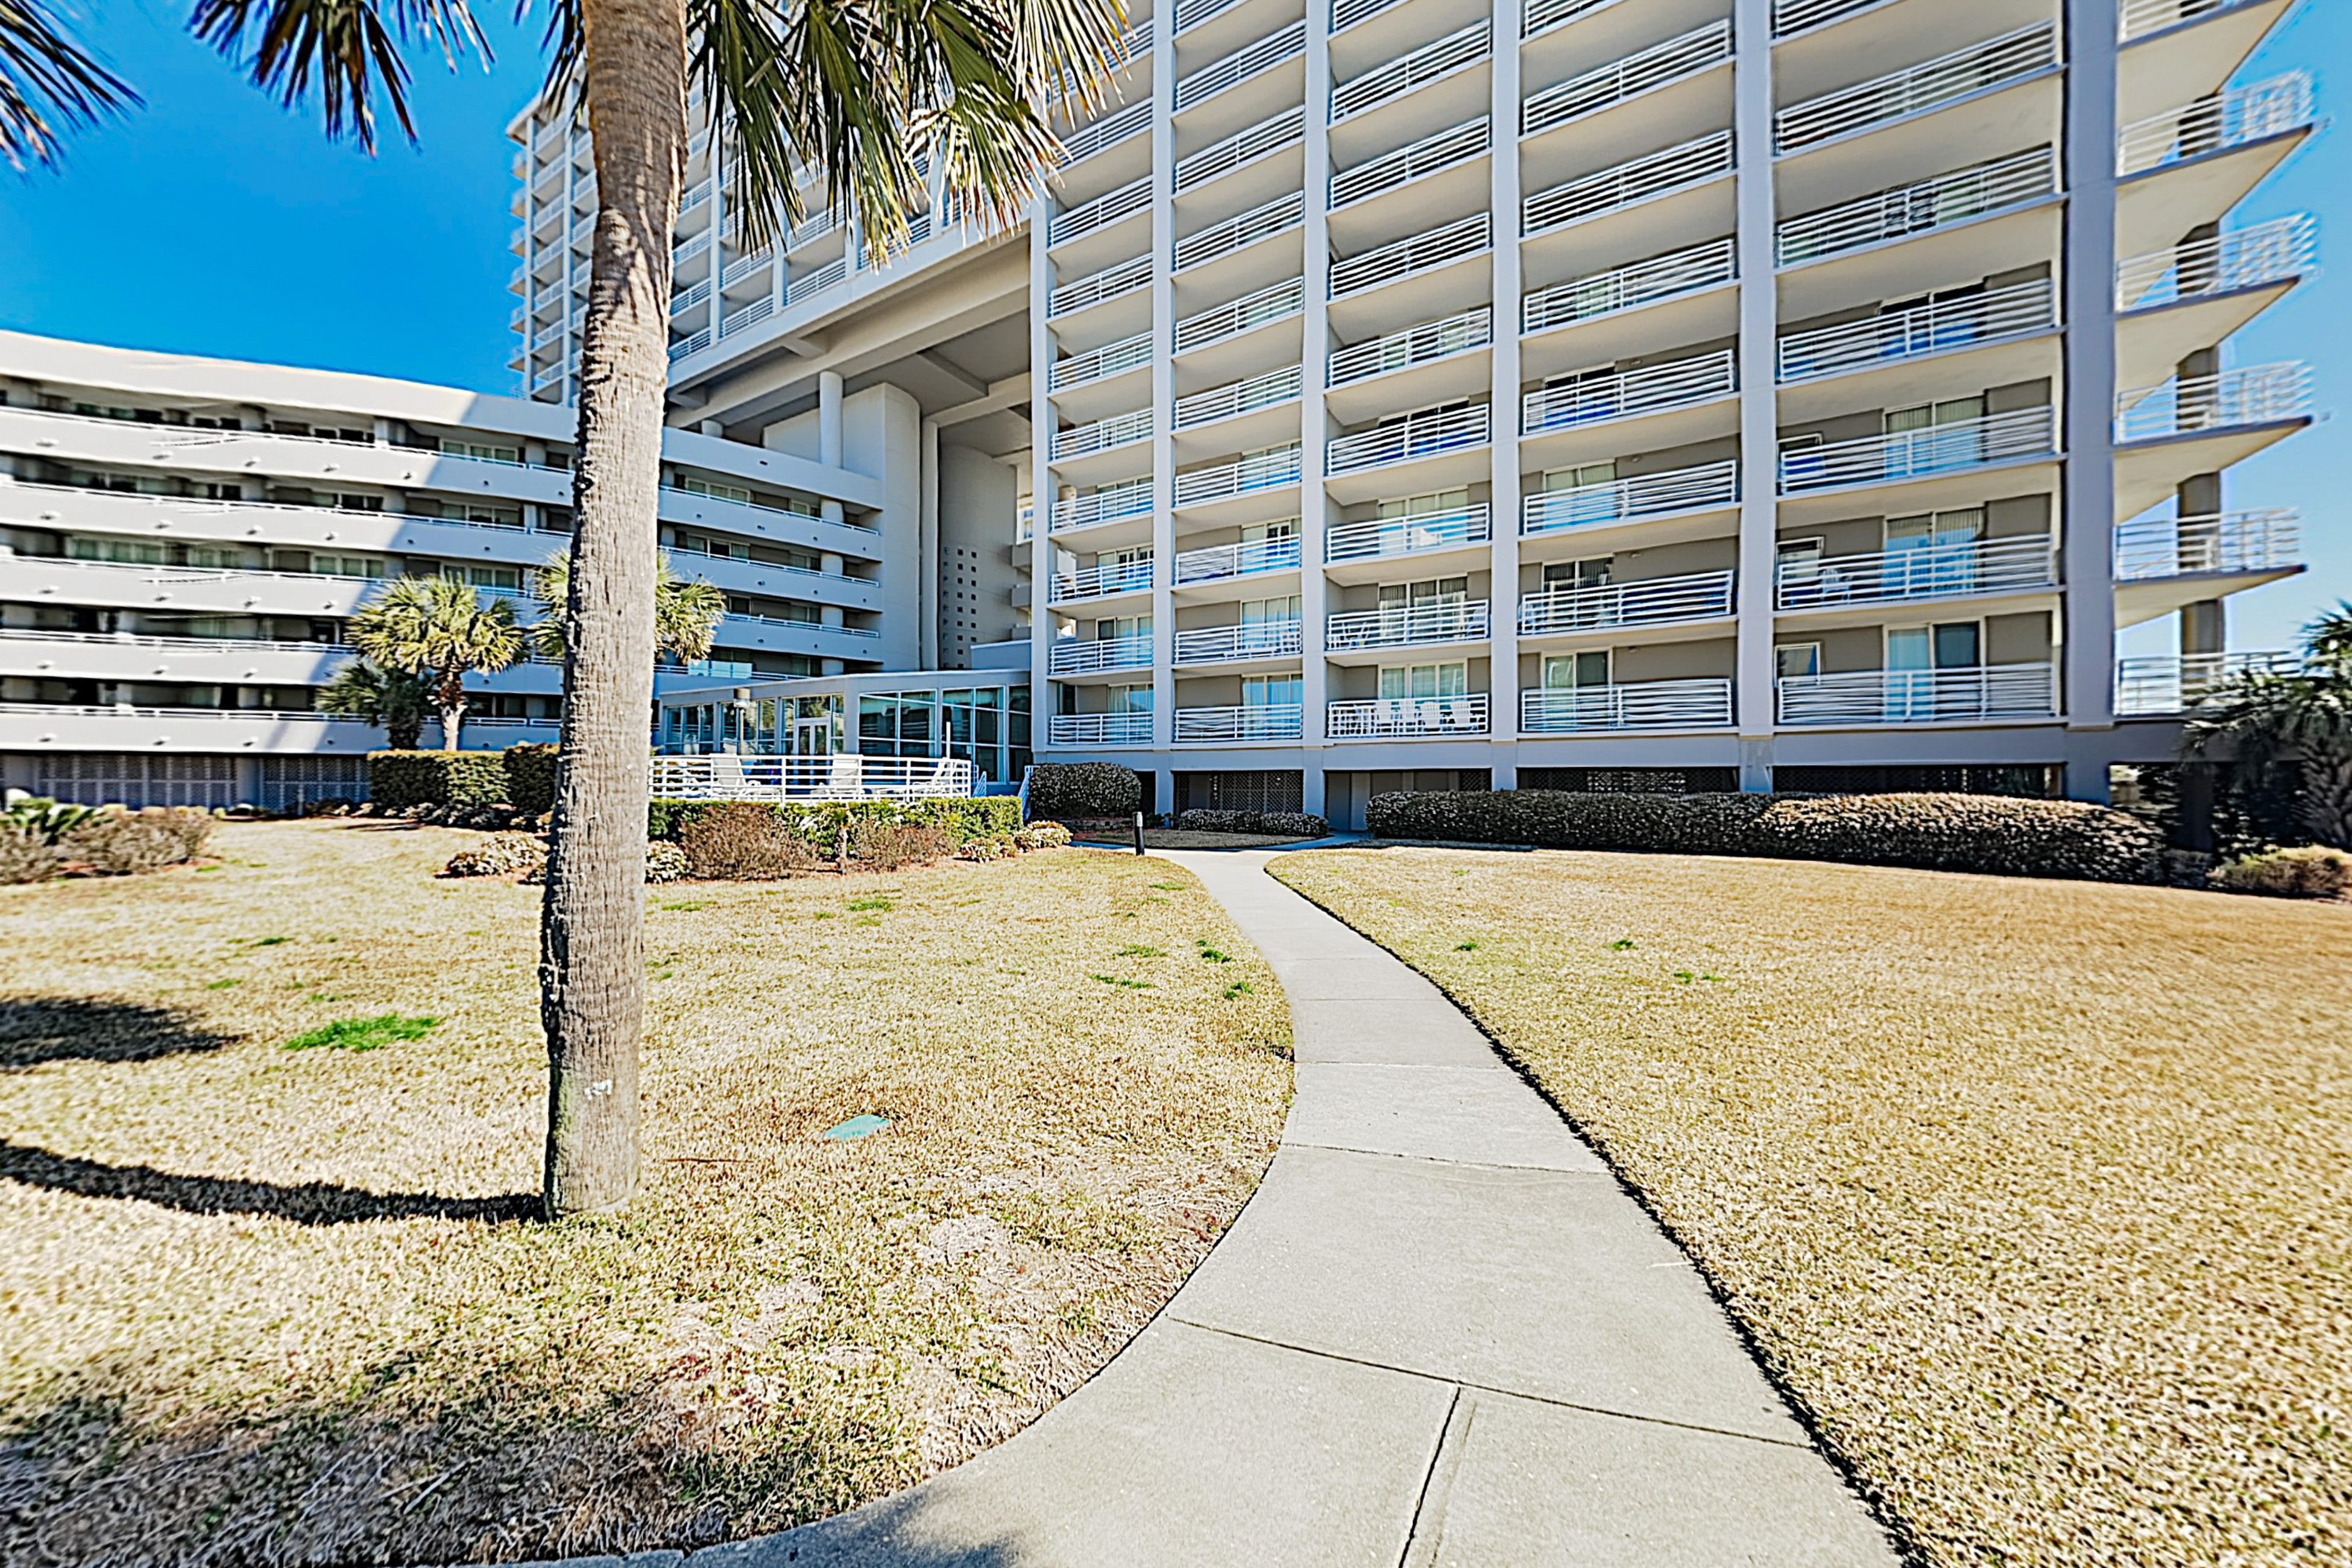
(1440, 1160)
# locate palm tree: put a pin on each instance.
(440, 628)
(47, 83)
(686, 614)
(864, 92)
(392, 698)
(2262, 718)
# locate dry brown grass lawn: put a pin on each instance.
(262, 1306)
(2036, 1195)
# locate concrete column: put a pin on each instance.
(828, 418)
(1503, 414)
(711, 427)
(2087, 416)
(1163, 380)
(2204, 627)
(927, 633)
(1316, 509)
(1759, 419)
(1041, 481)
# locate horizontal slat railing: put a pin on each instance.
(726, 776)
(1420, 435)
(1088, 655)
(1700, 49)
(2250, 257)
(2009, 58)
(1232, 644)
(1268, 52)
(1265, 471)
(1096, 364)
(1407, 626)
(1413, 346)
(1095, 288)
(2256, 394)
(1109, 503)
(1917, 208)
(1402, 75)
(1108, 132)
(1272, 303)
(2139, 19)
(2265, 540)
(1268, 135)
(1967, 694)
(1385, 717)
(1100, 581)
(1101, 434)
(1928, 570)
(1415, 160)
(1703, 486)
(1129, 728)
(1626, 394)
(2229, 118)
(1375, 539)
(1089, 217)
(1626, 287)
(1705, 158)
(1248, 558)
(1270, 721)
(1912, 453)
(1654, 601)
(1932, 329)
(1237, 398)
(1701, 702)
(2160, 685)
(1279, 215)
(1432, 248)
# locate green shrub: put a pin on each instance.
(1294, 824)
(531, 777)
(398, 780)
(664, 862)
(505, 855)
(1083, 789)
(1999, 835)
(47, 820)
(123, 843)
(1042, 836)
(25, 855)
(820, 823)
(2312, 871)
(889, 846)
(741, 841)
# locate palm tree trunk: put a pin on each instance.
(591, 964)
(449, 696)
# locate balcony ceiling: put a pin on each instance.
(2182, 64)
(2154, 209)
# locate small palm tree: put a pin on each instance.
(686, 614)
(393, 698)
(47, 83)
(438, 628)
(2264, 718)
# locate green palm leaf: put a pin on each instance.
(47, 83)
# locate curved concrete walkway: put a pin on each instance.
(1439, 1334)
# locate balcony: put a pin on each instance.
(1239, 643)
(1707, 486)
(1979, 68)
(1917, 208)
(1439, 247)
(1101, 364)
(1216, 726)
(1701, 50)
(2256, 395)
(1242, 476)
(1275, 302)
(1222, 158)
(1416, 161)
(1430, 341)
(1093, 655)
(1399, 718)
(1943, 327)
(1630, 394)
(1972, 695)
(1406, 626)
(1128, 728)
(2230, 118)
(57, 726)
(1216, 242)
(1905, 455)
(1224, 563)
(1628, 184)
(1102, 434)
(1110, 504)
(1408, 440)
(1701, 704)
(2257, 256)
(1793, 16)
(1612, 606)
(1629, 287)
(1391, 539)
(1135, 120)
(1362, 94)
(1125, 277)
(1268, 52)
(2166, 685)
(1100, 581)
(2251, 543)
(1954, 570)
(1237, 398)
(1094, 216)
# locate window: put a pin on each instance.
(1431, 505)
(1128, 699)
(1580, 477)
(130, 552)
(1568, 672)
(1428, 591)
(1269, 611)
(1797, 660)
(1272, 691)
(715, 489)
(1451, 680)
(1269, 533)
(216, 556)
(349, 566)
(482, 451)
(1570, 574)
(1947, 646)
(1119, 626)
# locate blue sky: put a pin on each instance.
(213, 222)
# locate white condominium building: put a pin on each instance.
(1585, 392)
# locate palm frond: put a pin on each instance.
(49, 83)
(2327, 641)
(350, 50)
(430, 626)
(686, 614)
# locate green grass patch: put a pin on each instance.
(1238, 988)
(221, 984)
(688, 906)
(362, 1034)
(1471, 946)
(1124, 983)
(1210, 955)
(1137, 950)
(871, 902)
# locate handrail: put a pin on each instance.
(1414, 437)
(1612, 190)
(1626, 287)
(1102, 434)
(1085, 655)
(1916, 208)
(1236, 398)
(1106, 132)
(1098, 364)
(2256, 394)
(725, 776)
(1378, 717)
(1219, 158)
(1605, 87)
(2155, 685)
(1111, 283)
(1916, 88)
(1279, 215)
(1650, 601)
(182, 644)
(1914, 454)
(1936, 328)
(1345, 13)
(1967, 694)
(760, 309)
(1268, 721)
(1251, 640)
(1275, 302)
(1376, 539)
(1925, 570)
(1439, 246)
(2139, 19)
(1251, 60)
(1125, 728)
(2267, 539)
(1419, 345)
(1626, 395)
(1105, 504)
(1374, 88)
(692, 343)
(1089, 217)
(1100, 581)
(2227, 118)
(1414, 160)
(817, 280)
(1542, 15)
(1407, 626)
(1244, 558)
(1699, 703)
(1264, 471)
(2249, 257)
(742, 267)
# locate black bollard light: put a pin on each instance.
(1139, 832)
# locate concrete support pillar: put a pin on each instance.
(2087, 649)
(1163, 383)
(1041, 700)
(1311, 784)
(2204, 627)
(927, 630)
(1315, 511)
(828, 418)
(713, 427)
(1759, 424)
(1503, 411)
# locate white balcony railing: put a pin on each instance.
(1281, 215)
(1236, 398)
(2139, 19)
(1108, 132)
(1971, 695)
(1275, 302)
(743, 266)
(2257, 394)
(1915, 454)
(1612, 190)
(1419, 345)
(1432, 247)
(1925, 570)
(1099, 365)
(1917, 208)
(2229, 118)
(1095, 288)
(1268, 135)
(1102, 434)
(1269, 721)
(815, 227)
(1242, 476)
(1703, 703)
(1626, 287)
(2162, 685)
(1543, 16)
(1414, 160)
(1108, 504)
(1377, 538)
(1701, 50)
(1405, 440)
(1090, 217)
(692, 343)
(1406, 72)
(1127, 728)
(724, 775)
(1248, 558)
(1229, 644)
(1241, 65)
(1100, 581)
(1397, 717)
(2265, 540)
(1602, 607)
(1091, 655)
(799, 285)
(1626, 395)
(759, 310)
(1407, 625)
(1703, 487)
(2250, 257)
(1936, 328)
(1977, 69)
(1791, 17)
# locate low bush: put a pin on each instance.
(25, 855)
(664, 862)
(531, 777)
(821, 823)
(398, 780)
(123, 843)
(1083, 789)
(889, 846)
(505, 855)
(45, 818)
(1999, 835)
(1294, 824)
(2312, 871)
(987, 849)
(1042, 836)
(740, 840)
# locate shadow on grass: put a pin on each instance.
(63, 1028)
(310, 1203)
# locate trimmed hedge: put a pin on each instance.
(820, 823)
(1083, 789)
(1296, 824)
(531, 777)
(1998, 835)
(402, 778)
